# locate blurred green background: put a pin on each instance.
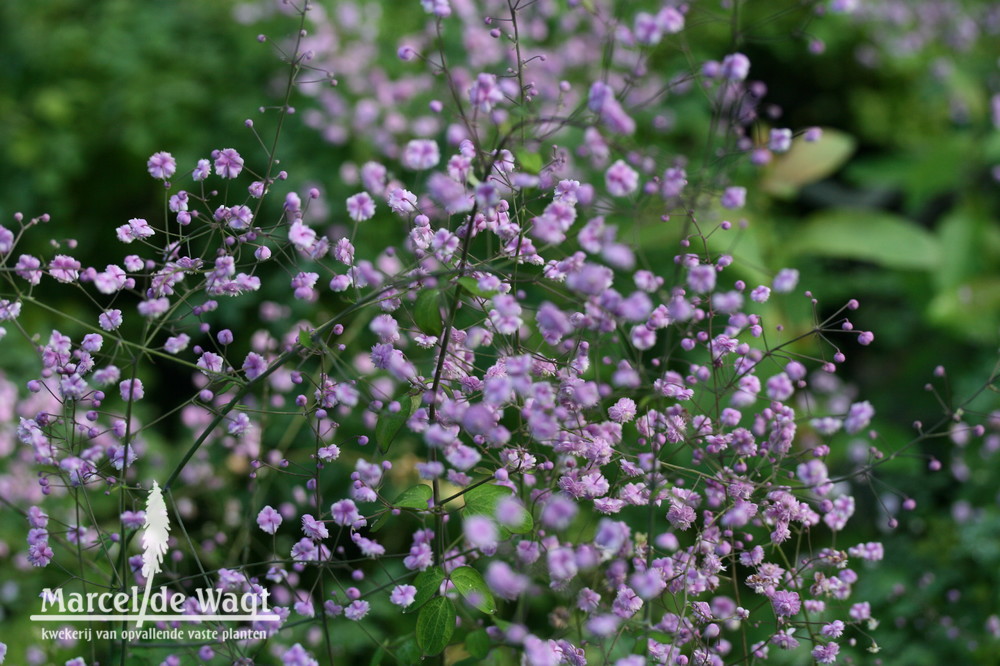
(898, 207)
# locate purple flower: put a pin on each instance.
(734, 197)
(403, 595)
(622, 411)
(785, 280)
(504, 581)
(421, 154)
(344, 512)
(621, 179)
(228, 163)
(785, 603)
(254, 366)
(314, 529)
(297, 656)
(858, 417)
(269, 519)
(360, 207)
(161, 165)
(826, 654)
(64, 268)
(131, 389)
(481, 532)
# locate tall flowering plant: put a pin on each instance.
(459, 411)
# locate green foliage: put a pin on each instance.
(435, 625)
(471, 585)
(483, 500)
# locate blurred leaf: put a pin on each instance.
(530, 162)
(390, 423)
(472, 286)
(807, 162)
(972, 309)
(484, 499)
(435, 625)
(472, 587)
(880, 238)
(478, 643)
(414, 497)
(427, 312)
(428, 583)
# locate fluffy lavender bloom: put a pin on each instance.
(780, 140)
(622, 411)
(9, 311)
(647, 30)
(131, 389)
(785, 603)
(301, 236)
(735, 67)
(175, 344)
(561, 564)
(269, 519)
(402, 202)
(506, 314)
(673, 182)
(858, 417)
(313, 528)
(785, 280)
(64, 268)
(621, 179)
(27, 267)
(403, 595)
(485, 93)
(670, 21)
(440, 8)
(228, 163)
(701, 278)
(361, 207)
(297, 656)
(481, 532)
(344, 512)
(161, 165)
(840, 512)
(202, 170)
(826, 654)
(210, 362)
(421, 154)
(734, 197)
(368, 547)
(504, 581)
(421, 556)
(834, 629)
(6, 240)
(254, 365)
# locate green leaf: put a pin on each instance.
(408, 652)
(305, 338)
(414, 497)
(435, 625)
(863, 235)
(390, 423)
(530, 162)
(484, 499)
(472, 587)
(478, 643)
(807, 162)
(428, 583)
(471, 285)
(427, 312)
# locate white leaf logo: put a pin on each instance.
(155, 533)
